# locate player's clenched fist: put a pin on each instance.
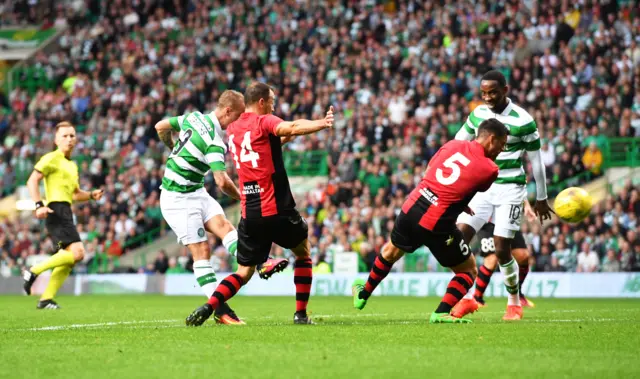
(328, 119)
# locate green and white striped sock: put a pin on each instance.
(510, 272)
(205, 276)
(230, 242)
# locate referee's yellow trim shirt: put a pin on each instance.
(60, 176)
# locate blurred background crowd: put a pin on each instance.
(402, 76)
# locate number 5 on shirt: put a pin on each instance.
(246, 153)
(453, 162)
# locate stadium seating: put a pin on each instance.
(402, 78)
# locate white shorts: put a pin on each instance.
(186, 213)
(503, 204)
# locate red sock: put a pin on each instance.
(457, 288)
(379, 271)
(482, 281)
(302, 278)
(225, 290)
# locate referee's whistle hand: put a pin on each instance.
(43, 212)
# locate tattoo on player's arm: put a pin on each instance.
(166, 138)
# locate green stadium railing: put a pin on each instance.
(31, 78)
(306, 163)
(622, 152)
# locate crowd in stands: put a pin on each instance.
(402, 76)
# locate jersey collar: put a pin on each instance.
(216, 123)
(508, 108)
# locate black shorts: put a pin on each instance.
(60, 225)
(255, 236)
(448, 248)
(485, 240)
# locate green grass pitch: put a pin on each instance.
(144, 336)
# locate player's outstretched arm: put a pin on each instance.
(164, 130)
(542, 207)
(224, 182)
(303, 127)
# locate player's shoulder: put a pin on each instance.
(51, 156)
(520, 115)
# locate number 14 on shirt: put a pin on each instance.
(246, 153)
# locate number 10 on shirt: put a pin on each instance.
(246, 153)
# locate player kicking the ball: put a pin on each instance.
(487, 249)
(187, 207)
(454, 175)
(504, 200)
(268, 209)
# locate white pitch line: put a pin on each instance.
(96, 325)
(354, 317)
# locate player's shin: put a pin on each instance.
(482, 281)
(457, 288)
(510, 271)
(226, 290)
(230, 242)
(303, 278)
(205, 276)
(58, 276)
(379, 271)
(61, 258)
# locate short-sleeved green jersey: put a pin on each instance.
(199, 149)
(523, 136)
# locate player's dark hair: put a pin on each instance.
(496, 76)
(493, 126)
(255, 92)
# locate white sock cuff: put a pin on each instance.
(230, 238)
(203, 263)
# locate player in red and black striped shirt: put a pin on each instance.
(454, 175)
(268, 209)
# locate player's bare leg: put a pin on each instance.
(206, 278)
(302, 278)
(487, 269)
(225, 291)
(362, 290)
(465, 274)
(522, 257)
(510, 271)
(223, 229)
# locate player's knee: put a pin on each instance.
(521, 256)
(467, 232)
(200, 250)
(303, 250)
(490, 262)
(77, 249)
(391, 253)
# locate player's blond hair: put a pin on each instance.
(232, 99)
(64, 124)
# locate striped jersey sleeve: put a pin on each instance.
(198, 149)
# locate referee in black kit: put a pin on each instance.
(61, 184)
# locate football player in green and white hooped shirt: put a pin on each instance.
(186, 206)
(504, 201)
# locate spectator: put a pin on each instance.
(161, 263)
(592, 158)
(174, 267)
(588, 260)
(611, 263)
